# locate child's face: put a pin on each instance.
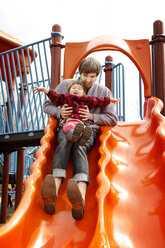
(77, 90)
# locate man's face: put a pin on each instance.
(88, 79)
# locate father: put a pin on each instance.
(89, 70)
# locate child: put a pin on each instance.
(74, 126)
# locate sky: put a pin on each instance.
(80, 20)
(32, 20)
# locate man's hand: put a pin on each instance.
(85, 115)
(66, 111)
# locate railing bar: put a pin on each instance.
(22, 91)
(47, 68)
(50, 45)
(123, 92)
(4, 104)
(3, 120)
(42, 74)
(40, 102)
(40, 81)
(153, 70)
(28, 95)
(119, 92)
(12, 92)
(140, 96)
(8, 97)
(16, 83)
(36, 112)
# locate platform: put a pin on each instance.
(11, 142)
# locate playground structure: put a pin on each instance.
(126, 195)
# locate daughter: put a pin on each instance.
(74, 127)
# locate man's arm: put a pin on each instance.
(107, 116)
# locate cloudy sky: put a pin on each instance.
(80, 20)
(32, 20)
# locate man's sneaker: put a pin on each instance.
(75, 197)
(48, 193)
(85, 136)
(77, 132)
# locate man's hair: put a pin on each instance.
(90, 65)
(79, 83)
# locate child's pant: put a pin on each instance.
(70, 125)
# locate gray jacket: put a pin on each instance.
(103, 116)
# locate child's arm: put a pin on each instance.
(40, 89)
(115, 100)
(93, 102)
(54, 96)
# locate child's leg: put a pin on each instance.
(85, 136)
(73, 130)
(69, 125)
(79, 128)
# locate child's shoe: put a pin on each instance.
(85, 136)
(77, 132)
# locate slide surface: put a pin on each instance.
(125, 199)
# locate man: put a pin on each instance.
(89, 70)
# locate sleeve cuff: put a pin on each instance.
(58, 113)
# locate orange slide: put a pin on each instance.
(125, 199)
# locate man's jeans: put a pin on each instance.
(79, 157)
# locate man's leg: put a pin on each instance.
(52, 183)
(76, 187)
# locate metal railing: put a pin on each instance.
(21, 69)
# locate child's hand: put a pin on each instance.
(115, 100)
(40, 89)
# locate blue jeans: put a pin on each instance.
(79, 157)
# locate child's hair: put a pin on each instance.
(90, 65)
(79, 83)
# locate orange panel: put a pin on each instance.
(125, 200)
(137, 50)
(8, 42)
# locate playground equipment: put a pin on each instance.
(125, 200)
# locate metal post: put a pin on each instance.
(108, 72)
(56, 55)
(5, 178)
(158, 40)
(5, 182)
(20, 155)
(20, 174)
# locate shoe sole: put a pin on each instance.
(74, 196)
(86, 136)
(77, 132)
(48, 193)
